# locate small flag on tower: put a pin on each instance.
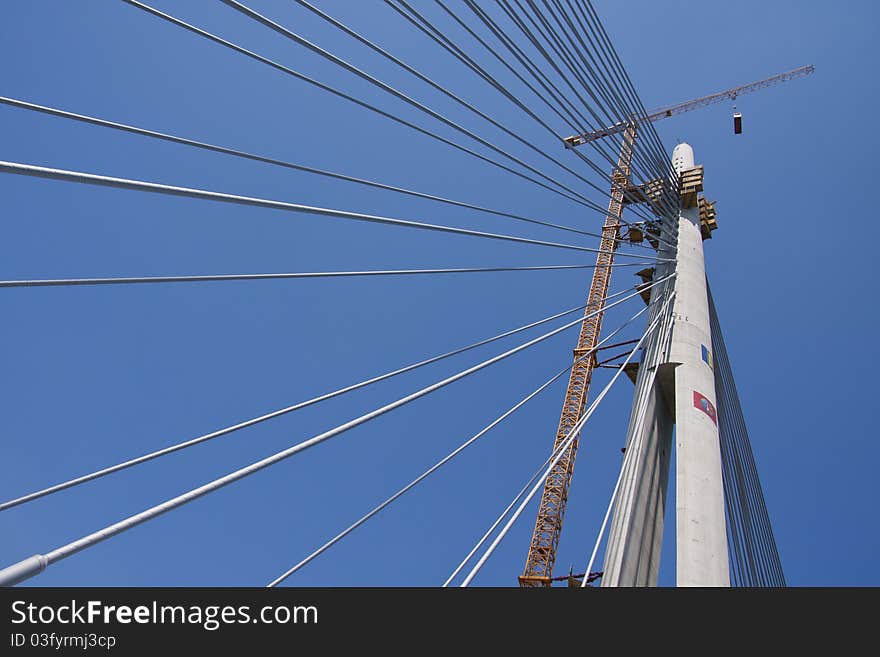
(703, 404)
(707, 356)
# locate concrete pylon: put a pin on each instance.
(701, 530)
(675, 385)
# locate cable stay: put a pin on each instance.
(53, 282)
(576, 198)
(143, 186)
(53, 111)
(341, 26)
(562, 448)
(427, 28)
(563, 57)
(280, 29)
(560, 52)
(598, 30)
(36, 564)
(561, 102)
(575, 115)
(659, 166)
(613, 94)
(284, 411)
(656, 353)
(548, 86)
(375, 511)
(754, 557)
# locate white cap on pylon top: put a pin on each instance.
(682, 157)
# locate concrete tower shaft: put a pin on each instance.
(675, 385)
(701, 533)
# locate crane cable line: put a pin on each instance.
(35, 564)
(202, 194)
(458, 450)
(575, 430)
(280, 412)
(251, 277)
(53, 111)
(376, 48)
(577, 198)
(444, 42)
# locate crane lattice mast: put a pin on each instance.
(542, 552)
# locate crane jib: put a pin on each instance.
(696, 103)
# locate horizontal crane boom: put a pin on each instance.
(578, 140)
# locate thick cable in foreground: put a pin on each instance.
(444, 460)
(574, 432)
(50, 282)
(580, 199)
(528, 484)
(631, 454)
(34, 565)
(223, 150)
(274, 414)
(171, 190)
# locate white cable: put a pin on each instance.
(442, 461)
(273, 414)
(94, 538)
(631, 456)
(188, 192)
(197, 278)
(651, 359)
(569, 439)
(533, 477)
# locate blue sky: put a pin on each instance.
(101, 374)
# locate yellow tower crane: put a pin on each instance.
(538, 570)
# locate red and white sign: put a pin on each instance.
(703, 404)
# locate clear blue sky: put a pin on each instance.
(93, 376)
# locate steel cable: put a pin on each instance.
(37, 563)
